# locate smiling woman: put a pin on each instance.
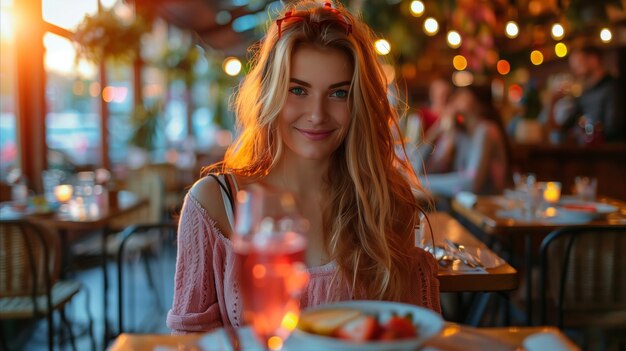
(314, 120)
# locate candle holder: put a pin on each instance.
(63, 193)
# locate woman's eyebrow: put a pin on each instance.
(332, 86)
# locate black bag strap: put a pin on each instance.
(226, 187)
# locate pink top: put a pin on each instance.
(206, 293)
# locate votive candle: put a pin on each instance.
(63, 193)
(552, 192)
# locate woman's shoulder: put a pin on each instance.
(207, 192)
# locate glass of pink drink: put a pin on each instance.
(270, 247)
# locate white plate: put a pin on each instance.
(428, 324)
(600, 209)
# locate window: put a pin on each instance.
(8, 131)
(72, 99)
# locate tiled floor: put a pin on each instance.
(143, 313)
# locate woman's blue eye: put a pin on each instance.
(297, 91)
(341, 94)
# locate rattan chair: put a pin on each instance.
(582, 278)
(160, 231)
(30, 263)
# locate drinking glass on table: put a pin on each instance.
(270, 246)
(585, 188)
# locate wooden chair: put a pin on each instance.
(582, 275)
(30, 262)
(154, 230)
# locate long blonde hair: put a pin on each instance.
(370, 216)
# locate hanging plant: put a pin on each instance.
(105, 35)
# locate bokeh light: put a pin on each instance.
(459, 62)
(232, 66)
(454, 39)
(606, 35)
(417, 8)
(557, 31)
(536, 57)
(503, 67)
(511, 29)
(382, 47)
(560, 49)
(431, 26)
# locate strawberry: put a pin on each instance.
(359, 329)
(398, 328)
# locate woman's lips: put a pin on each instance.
(315, 134)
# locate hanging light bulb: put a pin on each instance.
(417, 8)
(557, 31)
(454, 39)
(431, 26)
(606, 35)
(511, 30)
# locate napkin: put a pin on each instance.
(466, 199)
(548, 340)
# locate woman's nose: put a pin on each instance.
(317, 110)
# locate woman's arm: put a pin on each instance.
(196, 306)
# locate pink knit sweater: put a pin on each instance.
(206, 293)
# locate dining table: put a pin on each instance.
(109, 212)
(453, 337)
(497, 276)
(498, 217)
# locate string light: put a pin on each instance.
(382, 47)
(417, 8)
(454, 39)
(459, 62)
(557, 31)
(560, 49)
(431, 26)
(503, 67)
(536, 57)
(511, 30)
(606, 35)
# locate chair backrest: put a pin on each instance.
(582, 271)
(128, 233)
(30, 259)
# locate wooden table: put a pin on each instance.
(116, 205)
(484, 215)
(453, 334)
(501, 278)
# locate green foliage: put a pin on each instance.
(179, 63)
(105, 35)
(146, 123)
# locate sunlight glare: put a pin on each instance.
(60, 54)
(6, 22)
(67, 13)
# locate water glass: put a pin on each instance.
(270, 248)
(585, 188)
(50, 179)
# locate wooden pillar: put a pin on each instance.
(104, 120)
(31, 85)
